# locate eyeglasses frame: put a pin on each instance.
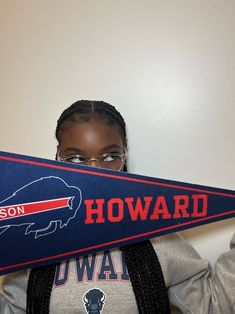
(89, 160)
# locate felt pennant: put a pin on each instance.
(50, 211)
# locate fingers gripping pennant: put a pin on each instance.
(51, 210)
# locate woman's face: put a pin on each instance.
(90, 139)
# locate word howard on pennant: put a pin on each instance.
(50, 211)
(152, 208)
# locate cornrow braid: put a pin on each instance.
(146, 278)
(84, 110)
(39, 289)
(142, 262)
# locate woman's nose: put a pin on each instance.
(94, 163)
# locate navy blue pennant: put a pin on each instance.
(50, 211)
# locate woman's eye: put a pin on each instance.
(110, 157)
(76, 159)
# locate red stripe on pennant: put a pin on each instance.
(14, 211)
(107, 175)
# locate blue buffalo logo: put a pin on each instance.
(94, 300)
(41, 206)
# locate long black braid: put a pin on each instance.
(142, 262)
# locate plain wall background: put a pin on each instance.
(168, 66)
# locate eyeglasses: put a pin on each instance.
(112, 161)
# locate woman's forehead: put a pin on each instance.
(91, 136)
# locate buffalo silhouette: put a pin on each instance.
(43, 190)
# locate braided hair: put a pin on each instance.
(142, 262)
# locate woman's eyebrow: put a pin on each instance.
(108, 147)
(73, 150)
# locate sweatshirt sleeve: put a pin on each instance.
(13, 293)
(193, 286)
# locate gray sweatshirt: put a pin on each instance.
(102, 280)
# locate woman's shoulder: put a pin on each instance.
(178, 259)
(13, 292)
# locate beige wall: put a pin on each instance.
(168, 66)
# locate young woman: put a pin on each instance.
(149, 277)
